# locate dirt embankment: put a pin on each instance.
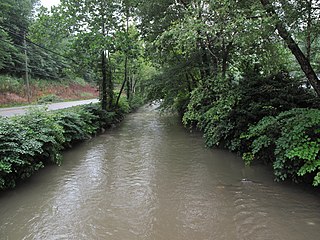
(72, 91)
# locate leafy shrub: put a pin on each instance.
(25, 142)
(124, 106)
(104, 119)
(202, 99)
(29, 142)
(283, 131)
(135, 102)
(225, 112)
(16, 149)
(77, 124)
(292, 139)
(11, 84)
(265, 96)
(45, 130)
(49, 99)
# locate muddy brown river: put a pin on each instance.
(150, 179)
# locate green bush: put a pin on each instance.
(26, 143)
(226, 111)
(49, 99)
(104, 119)
(124, 105)
(11, 84)
(291, 140)
(261, 96)
(135, 102)
(201, 100)
(29, 142)
(283, 132)
(47, 131)
(78, 125)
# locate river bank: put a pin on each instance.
(34, 140)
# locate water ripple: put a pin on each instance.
(151, 179)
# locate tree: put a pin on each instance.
(302, 59)
(201, 41)
(15, 18)
(97, 21)
(7, 51)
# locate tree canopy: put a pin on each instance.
(227, 66)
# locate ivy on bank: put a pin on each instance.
(29, 142)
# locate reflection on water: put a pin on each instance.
(151, 179)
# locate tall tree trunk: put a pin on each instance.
(204, 59)
(103, 86)
(104, 82)
(109, 84)
(294, 48)
(121, 90)
(104, 76)
(133, 79)
(225, 58)
(126, 77)
(127, 80)
(309, 24)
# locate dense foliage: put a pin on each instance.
(228, 72)
(18, 48)
(91, 40)
(27, 143)
(223, 114)
(244, 72)
(291, 140)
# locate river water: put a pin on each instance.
(149, 179)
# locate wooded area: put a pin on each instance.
(243, 72)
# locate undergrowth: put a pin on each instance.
(291, 140)
(29, 142)
(268, 119)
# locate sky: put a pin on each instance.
(49, 3)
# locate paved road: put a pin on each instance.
(8, 112)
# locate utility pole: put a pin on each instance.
(26, 67)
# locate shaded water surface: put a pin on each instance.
(151, 179)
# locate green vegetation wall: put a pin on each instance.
(231, 67)
(28, 143)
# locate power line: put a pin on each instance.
(65, 63)
(24, 29)
(36, 44)
(10, 31)
(35, 74)
(49, 56)
(17, 45)
(49, 50)
(33, 66)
